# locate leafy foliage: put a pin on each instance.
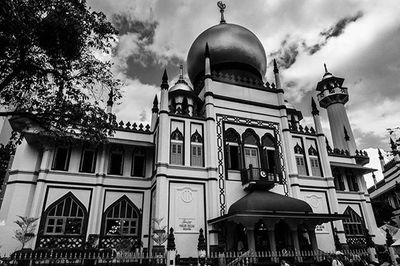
(382, 211)
(5, 154)
(52, 67)
(26, 231)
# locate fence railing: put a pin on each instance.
(84, 258)
(138, 258)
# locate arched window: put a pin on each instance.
(172, 106)
(116, 161)
(66, 216)
(353, 225)
(300, 160)
(314, 161)
(185, 106)
(122, 218)
(251, 143)
(138, 162)
(232, 149)
(270, 160)
(196, 145)
(176, 147)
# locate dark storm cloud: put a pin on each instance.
(125, 24)
(287, 54)
(339, 27)
(291, 47)
(335, 31)
(139, 60)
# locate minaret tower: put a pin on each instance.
(332, 96)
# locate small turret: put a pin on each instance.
(381, 159)
(164, 92)
(110, 101)
(276, 76)
(315, 114)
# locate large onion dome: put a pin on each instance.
(233, 50)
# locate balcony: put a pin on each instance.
(258, 177)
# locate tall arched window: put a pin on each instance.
(176, 147)
(66, 216)
(353, 225)
(232, 149)
(116, 161)
(314, 161)
(270, 160)
(300, 160)
(122, 218)
(196, 146)
(251, 143)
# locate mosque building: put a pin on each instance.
(224, 153)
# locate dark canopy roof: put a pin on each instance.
(268, 205)
(266, 201)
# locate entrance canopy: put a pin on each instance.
(272, 206)
(356, 167)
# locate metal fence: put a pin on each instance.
(294, 257)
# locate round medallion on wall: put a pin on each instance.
(187, 196)
(263, 174)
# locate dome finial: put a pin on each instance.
(181, 72)
(222, 7)
(326, 69)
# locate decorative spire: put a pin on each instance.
(393, 145)
(181, 79)
(314, 109)
(164, 83)
(222, 7)
(327, 73)
(110, 98)
(155, 105)
(207, 51)
(346, 135)
(380, 154)
(276, 70)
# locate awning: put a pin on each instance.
(265, 204)
(358, 168)
(314, 218)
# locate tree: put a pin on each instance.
(51, 69)
(26, 231)
(382, 212)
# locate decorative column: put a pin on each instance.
(162, 160)
(296, 244)
(210, 140)
(292, 188)
(251, 243)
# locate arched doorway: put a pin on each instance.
(283, 239)
(240, 238)
(261, 236)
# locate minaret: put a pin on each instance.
(332, 96)
(154, 112)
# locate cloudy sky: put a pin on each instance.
(358, 40)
